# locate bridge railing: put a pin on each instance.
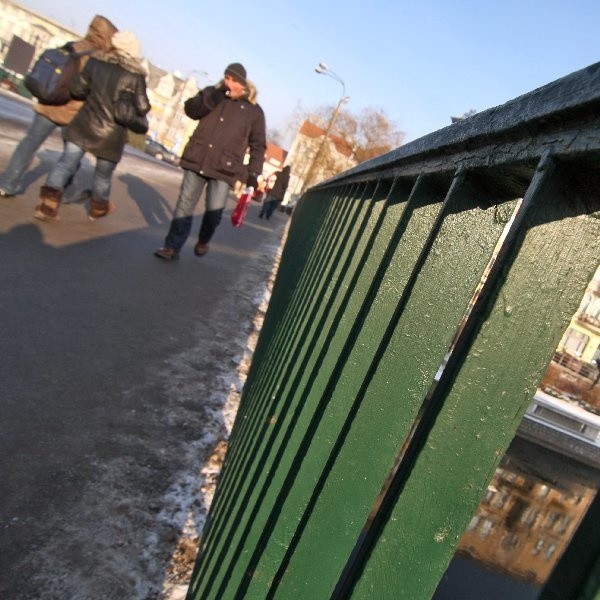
(419, 300)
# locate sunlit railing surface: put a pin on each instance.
(420, 297)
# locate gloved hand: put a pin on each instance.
(252, 181)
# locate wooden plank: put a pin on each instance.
(537, 287)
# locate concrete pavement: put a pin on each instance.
(115, 371)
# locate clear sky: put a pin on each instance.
(421, 61)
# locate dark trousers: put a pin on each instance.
(269, 207)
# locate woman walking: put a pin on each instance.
(48, 117)
(94, 129)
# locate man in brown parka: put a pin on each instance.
(48, 117)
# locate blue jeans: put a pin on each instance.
(189, 195)
(269, 206)
(38, 132)
(68, 164)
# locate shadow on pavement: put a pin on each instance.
(153, 206)
(115, 371)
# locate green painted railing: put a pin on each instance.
(354, 466)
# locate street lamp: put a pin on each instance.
(323, 69)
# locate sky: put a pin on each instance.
(419, 62)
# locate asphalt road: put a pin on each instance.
(115, 371)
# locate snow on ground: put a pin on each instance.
(126, 536)
(133, 530)
(182, 496)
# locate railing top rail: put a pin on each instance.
(554, 103)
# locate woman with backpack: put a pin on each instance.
(104, 79)
(50, 116)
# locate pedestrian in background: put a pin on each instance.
(276, 193)
(94, 128)
(48, 117)
(231, 121)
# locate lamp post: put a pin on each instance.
(323, 69)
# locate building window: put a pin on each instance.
(543, 491)
(511, 541)
(486, 528)
(574, 342)
(529, 517)
(473, 523)
(538, 546)
(550, 552)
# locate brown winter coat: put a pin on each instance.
(227, 128)
(97, 39)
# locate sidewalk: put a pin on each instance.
(121, 375)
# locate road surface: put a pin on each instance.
(116, 375)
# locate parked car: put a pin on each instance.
(157, 150)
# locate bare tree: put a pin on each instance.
(375, 135)
(275, 136)
(353, 139)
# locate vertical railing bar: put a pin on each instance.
(267, 370)
(223, 491)
(270, 372)
(259, 437)
(270, 521)
(309, 282)
(317, 415)
(430, 407)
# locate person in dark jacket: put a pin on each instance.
(48, 117)
(230, 123)
(276, 193)
(94, 128)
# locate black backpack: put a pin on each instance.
(51, 74)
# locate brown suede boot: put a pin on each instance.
(47, 209)
(100, 208)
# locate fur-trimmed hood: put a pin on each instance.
(126, 61)
(251, 91)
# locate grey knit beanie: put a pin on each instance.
(237, 72)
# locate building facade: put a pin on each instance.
(524, 523)
(25, 34)
(575, 368)
(582, 338)
(314, 159)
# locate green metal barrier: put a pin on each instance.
(356, 462)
